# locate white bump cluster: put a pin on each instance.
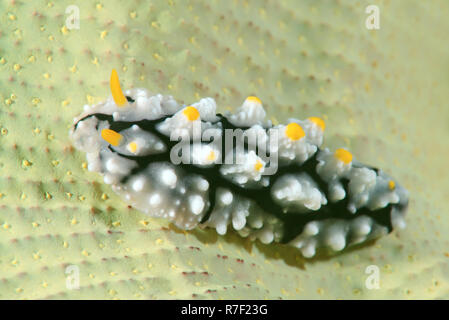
(298, 191)
(294, 150)
(250, 113)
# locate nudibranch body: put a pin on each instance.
(283, 188)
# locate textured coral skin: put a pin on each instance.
(382, 95)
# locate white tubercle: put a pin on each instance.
(250, 113)
(299, 191)
(207, 109)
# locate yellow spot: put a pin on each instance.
(211, 156)
(117, 94)
(104, 196)
(74, 221)
(132, 147)
(116, 223)
(253, 99)
(111, 137)
(294, 131)
(64, 30)
(133, 14)
(144, 222)
(258, 165)
(6, 226)
(17, 67)
(343, 155)
(191, 113)
(26, 163)
(318, 121)
(391, 185)
(103, 34)
(85, 253)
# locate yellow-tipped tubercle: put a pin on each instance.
(343, 155)
(294, 131)
(191, 113)
(116, 90)
(111, 137)
(318, 121)
(253, 99)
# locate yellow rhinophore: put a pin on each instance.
(191, 113)
(117, 94)
(343, 155)
(318, 121)
(294, 131)
(111, 137)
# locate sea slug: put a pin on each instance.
(274, 183)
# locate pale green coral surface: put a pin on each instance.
(383, 93)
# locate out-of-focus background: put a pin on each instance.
(383, 93)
